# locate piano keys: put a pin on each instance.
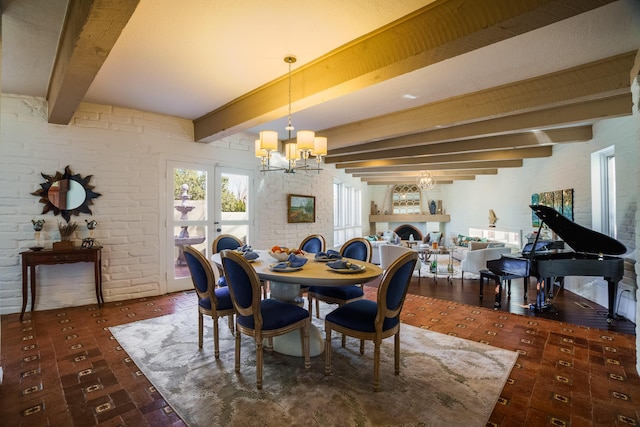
(591, 256)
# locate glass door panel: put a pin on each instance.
(189, 221)
(234, 205)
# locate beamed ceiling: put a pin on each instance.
(458, 88)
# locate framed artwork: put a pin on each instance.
(567, 203)
(535, 200)
(557, 200)
(560, 200)
(301, 208)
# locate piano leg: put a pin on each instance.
(613, 291)
(542, 289)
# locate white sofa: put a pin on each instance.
(460, 252)
(476, 260)
(389, 253)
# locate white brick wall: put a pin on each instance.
(126, 152)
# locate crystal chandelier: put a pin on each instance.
(306, 145)
(425, 181)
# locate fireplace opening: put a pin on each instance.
(406, 230)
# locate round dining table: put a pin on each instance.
(285, 286)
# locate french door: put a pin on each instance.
(204, 201)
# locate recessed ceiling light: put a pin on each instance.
(409, 96)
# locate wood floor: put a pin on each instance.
(565, 306)
(64, 368)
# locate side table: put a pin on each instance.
(31, 259)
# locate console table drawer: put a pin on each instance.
(53, 258)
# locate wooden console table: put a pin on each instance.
(30, 259)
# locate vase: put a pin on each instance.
(432, 207)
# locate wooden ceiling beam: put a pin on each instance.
(91, 29)
(518, 140)
(442, 166)
(436, 174)
(521, 153)
(594, 80)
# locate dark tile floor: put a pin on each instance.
(63, 367)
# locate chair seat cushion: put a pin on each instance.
(339, 292)
(224, 300)
(275, 315)
(360, 316)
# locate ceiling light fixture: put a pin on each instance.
(425, 181)
(306, 145)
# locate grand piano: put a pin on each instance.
(592, 257)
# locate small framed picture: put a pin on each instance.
(301, 208)
(87, 243)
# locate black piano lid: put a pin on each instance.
(581, 239)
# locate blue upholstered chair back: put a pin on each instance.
(357, 248)
(394, 285)
(198, 273)
(313, 244)
(244, 285)
(398, 286)
(226, 242)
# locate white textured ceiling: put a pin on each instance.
(190, 58)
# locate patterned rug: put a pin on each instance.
(443, 380)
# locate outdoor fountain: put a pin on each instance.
(183, 238)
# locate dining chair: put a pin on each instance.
(225, 241)
(313, 243)
(222, 242)
(212, 301)
(374, 320)
(261, 318)
(357, 248)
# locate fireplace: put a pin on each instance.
(405, 230)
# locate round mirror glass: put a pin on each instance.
(67, 194)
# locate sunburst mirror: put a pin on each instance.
(66, 194)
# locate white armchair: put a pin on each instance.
(476, 260)
(390, 253)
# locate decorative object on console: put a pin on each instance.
(37, 228)
(306, 145)
(432, 207)
(66, 231)
(66, 194)
(492, 218)
(91, 225)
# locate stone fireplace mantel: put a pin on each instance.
(409, 218)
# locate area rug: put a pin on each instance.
(443, 380)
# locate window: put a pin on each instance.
(347, 213)
(603, 191)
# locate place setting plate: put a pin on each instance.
(354, 268)
(273, 267)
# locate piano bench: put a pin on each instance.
(500, 279)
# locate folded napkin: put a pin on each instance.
(340, 265)
(293, 261)
(250, 255)
(244, 248)
(330, 254)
